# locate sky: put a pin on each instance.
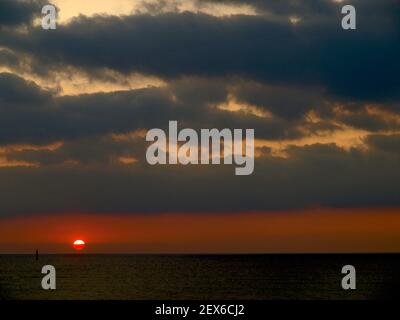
(76, 103)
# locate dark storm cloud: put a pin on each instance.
(286, 102)
(260, 60)
(16, 12)
(9, 59)
(385, 143)
(29, 114)
(369, 122)
(16, 91)
(317, 175)
(103, 150)
(361, 64)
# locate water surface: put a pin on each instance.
(198, 276)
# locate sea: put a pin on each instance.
(200, 277)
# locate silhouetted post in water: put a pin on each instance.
(37, 254)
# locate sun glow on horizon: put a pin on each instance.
(79, 244)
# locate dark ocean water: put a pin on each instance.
(199, 276)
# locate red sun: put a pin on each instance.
(79, 244)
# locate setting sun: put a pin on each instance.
(79, 244)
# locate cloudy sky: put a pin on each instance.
(76, 102)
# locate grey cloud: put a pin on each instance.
(286, 102)
(369, 122)
(361, 65)
(9, 59)
(32, 115)
(16, 12)
(285, 69)
(385, 143)
(317, 175)
(102, 150)
(17, 91)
